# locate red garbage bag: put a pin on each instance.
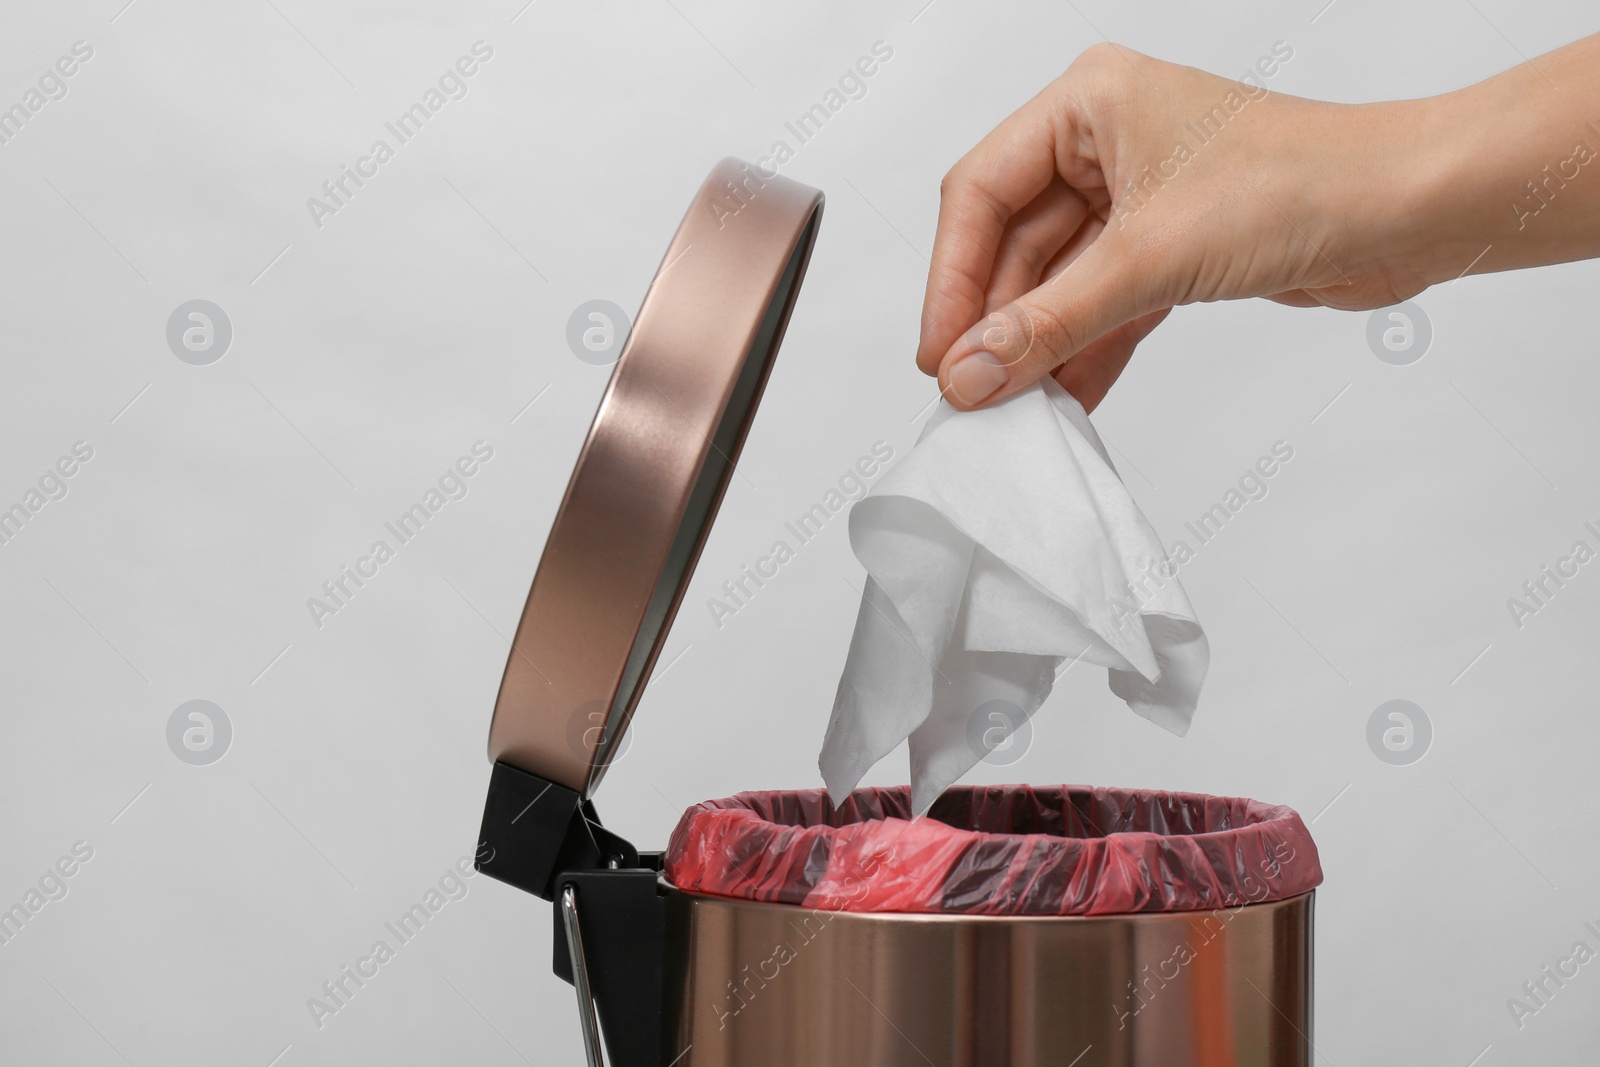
(995, 850)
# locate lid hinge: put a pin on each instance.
(544, 838)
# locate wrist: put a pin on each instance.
(1441, 209)
(1496, 184)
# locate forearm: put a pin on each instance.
(1507, 174)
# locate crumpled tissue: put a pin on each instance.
(1003, 548)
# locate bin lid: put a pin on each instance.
(651, 474)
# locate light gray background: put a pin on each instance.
(425, 316)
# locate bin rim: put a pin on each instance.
(870, 855)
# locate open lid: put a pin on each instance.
(651, 474)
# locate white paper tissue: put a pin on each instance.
(1001, 549)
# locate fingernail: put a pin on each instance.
(976, 377)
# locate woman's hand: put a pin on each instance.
(1130, 185)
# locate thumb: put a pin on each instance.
(1015, 345)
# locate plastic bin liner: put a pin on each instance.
(995, 850)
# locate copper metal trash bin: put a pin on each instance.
(669, 978)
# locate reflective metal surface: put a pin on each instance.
(772, 985)
(651, 474)
(572, 929)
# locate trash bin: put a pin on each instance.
(1011, 926)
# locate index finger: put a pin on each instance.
(978, 198)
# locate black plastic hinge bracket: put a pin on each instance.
(542, 837)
